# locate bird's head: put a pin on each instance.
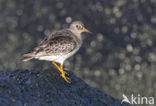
(78, 27)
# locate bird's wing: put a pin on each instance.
(59, 43)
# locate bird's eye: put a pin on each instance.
(77, 26)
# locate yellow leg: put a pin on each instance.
(63, 73)
(62, 69)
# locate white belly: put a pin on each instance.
(52, 58)
(57, 58)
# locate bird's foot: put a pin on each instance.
(63, 75)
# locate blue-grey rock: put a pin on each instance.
(47, 88)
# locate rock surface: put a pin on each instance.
(47, 88)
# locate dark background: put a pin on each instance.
(120, 57)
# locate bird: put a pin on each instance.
(59, 46)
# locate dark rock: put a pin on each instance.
(47, 88)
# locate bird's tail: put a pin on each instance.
(27, 57)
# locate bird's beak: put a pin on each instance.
(85, 30)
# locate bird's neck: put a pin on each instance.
(78, 34)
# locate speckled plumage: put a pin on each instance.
(56, 47)
(61, 42)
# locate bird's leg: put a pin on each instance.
(62, 69)
(63, 73)
(56, 65)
